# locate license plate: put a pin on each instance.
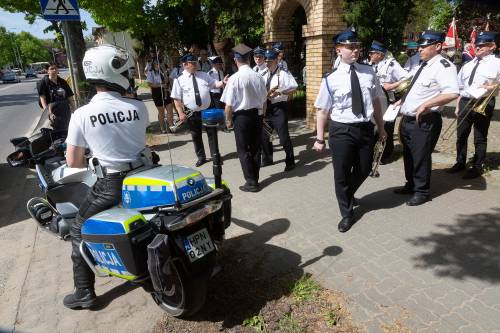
(197, 245)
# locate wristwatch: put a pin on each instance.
(320, 141)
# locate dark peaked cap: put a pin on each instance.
(241, 51)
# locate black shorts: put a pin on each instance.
(157, 96)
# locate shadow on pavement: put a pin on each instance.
(18, 99)
(467, 249)
(109, 296)
(173, 144)
(254, 273)
(17, 186)
(443, 182)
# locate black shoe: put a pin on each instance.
(417, 200)
(200, 162)
(456, 168)
(345, 224)
(81, 298)
(472, 173)
(355, 202)
(289, 167)
(265, 163)
(249, 188)
(403, 190)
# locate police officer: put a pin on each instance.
(279, 84)
(482, 72)
(414, 57)
(217, 74)
(258, 57)
(245, 96)
(191, 91)
(280, 49)
(390, 73)
(350, 97)
(434, 84)
(114, 129)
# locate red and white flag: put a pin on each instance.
(472, 50)
(451, 39)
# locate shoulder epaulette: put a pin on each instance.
(445, 63)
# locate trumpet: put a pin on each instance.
(378, 150)
(268, 129)
(478, 105)
(179, 122)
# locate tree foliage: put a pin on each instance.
(30, 48)
(381, 20)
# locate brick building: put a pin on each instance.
(322, 20)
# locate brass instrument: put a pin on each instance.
(378, 151)
(478, 105)
(178, 122)
(402, 89)
(268, 129)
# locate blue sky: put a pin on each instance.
(15, 22)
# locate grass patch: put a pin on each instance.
(288, 324)
(333, 316)
(305, 289)
(255, 322)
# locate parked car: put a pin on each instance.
(17, 71)
(31, 73)
(10, 77)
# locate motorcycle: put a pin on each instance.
(165, 234)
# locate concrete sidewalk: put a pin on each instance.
(429, 268)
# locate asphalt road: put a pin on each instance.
(19, 111)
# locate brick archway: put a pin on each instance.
(324, 20)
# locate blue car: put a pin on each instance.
(10, 77)
(30, 74)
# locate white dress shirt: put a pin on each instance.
(335, 94)
(439, 76)
(245, 90)
(283, 81)
(217, 75)
(412, 63)
(487, 71)
(389, 71)
(260, 68)
(183, 89)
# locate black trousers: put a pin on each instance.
(352, 155)
(419, 140)
(247, 133)
(277, 119)
(216, 103)
(196, 130)
(481, 125)
(106, 193)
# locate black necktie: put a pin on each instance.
(357, 97)
(471, 78)
(196, 91)
(376, 68)
(218, 74)
(413, 80)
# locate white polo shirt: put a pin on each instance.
(112, 127)
(335, 94)
(282, 80)
(439, 76)
(183, 89)
(245, 90)
(488, 70)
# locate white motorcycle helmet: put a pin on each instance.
(108, 65)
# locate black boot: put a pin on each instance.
(81, 298)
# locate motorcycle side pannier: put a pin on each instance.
(117, 239)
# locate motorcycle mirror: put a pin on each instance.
(17, 159)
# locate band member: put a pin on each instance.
(279, 84)
(390, 73)
(350, 97)
(280, 49)
(258, 57)
(433, 86)
(191, 91)
(482, 72)
(217, 74)
(414, 57)
(245, 96)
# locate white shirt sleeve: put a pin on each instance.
(228, 95)
(398, 72)
(447, 79)
(378, 91)
(263, 91)
(211, 81)
(75, 134)
(460, 78)
(176, 90)
(290, 83)
(324, 99)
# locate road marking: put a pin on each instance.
(5, 88)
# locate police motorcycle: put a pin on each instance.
(165, 234)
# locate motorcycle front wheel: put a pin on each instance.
(185, 294)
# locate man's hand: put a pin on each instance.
(319, 147)
(422, 109)
(397, 103)
(457, 111)
(229, 124)
(382, 134)
(226, 78)
(182, 116)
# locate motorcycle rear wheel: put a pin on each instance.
(186, 295)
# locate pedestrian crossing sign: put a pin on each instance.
(60, 10)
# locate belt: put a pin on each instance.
(125, 167)
(360, 124)
(430, 114)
